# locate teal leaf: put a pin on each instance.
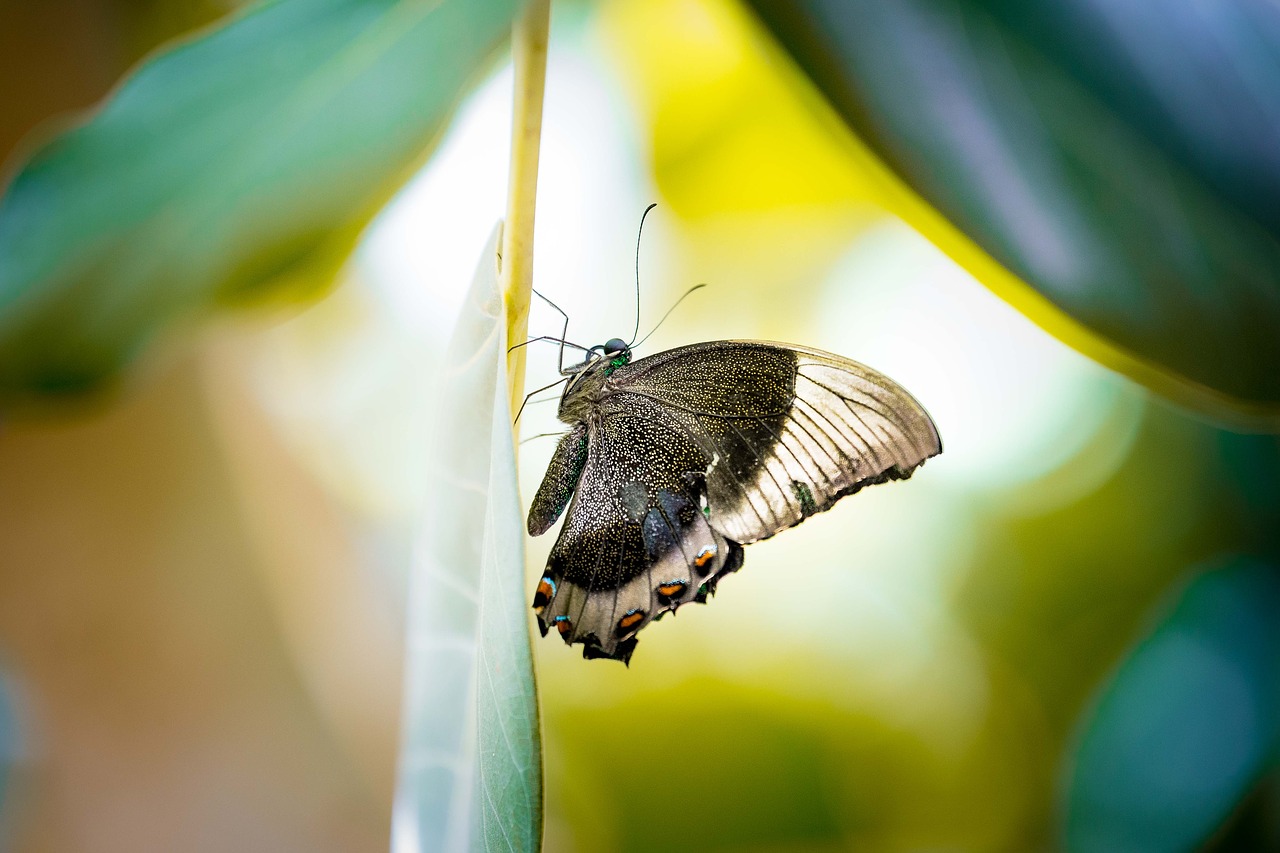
(10, 743)
(471, 762)
(237, 165)
(1119, 158)
(1188, 723)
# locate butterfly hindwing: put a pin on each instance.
(635, 542)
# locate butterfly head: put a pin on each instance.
(616, 351)
(608, 356)
(585, 380)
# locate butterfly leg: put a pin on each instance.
(520, 411)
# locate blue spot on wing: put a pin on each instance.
(657, 534)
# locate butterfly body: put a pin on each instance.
(673, 462)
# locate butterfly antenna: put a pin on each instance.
(669, 310)
(635, 332)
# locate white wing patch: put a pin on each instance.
(848, 427)
(613, 616)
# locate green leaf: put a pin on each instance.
(471, 763)
(237, 165)
(1187, 724)
(1121, 159)
(10, 738)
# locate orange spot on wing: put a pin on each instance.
(546, 591)
(706, 555)
(565, 627)
(631, 619)
(672, 589)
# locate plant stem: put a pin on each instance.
(529, 56)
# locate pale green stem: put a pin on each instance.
(529, 56)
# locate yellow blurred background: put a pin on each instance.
(202, 583)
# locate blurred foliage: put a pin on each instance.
(1065, 141)
(10, 743)
(1188, 723)
(766, 194)
(1121, 161)
(239, 165)
(59, 56)
(143, 553)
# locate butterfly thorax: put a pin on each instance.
(587, 381)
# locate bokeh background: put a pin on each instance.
(1061, 633)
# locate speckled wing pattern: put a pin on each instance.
(678, 459)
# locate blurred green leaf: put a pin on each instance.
(1187, 724)
(471, 762)
(10, 744)
(1119, 158)
(239, 164)
(771, 768)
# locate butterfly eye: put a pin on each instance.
(615, 346)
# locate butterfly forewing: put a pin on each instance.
(692, 452)
(788, 430)
(559, 482)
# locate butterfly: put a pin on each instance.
(675, 461)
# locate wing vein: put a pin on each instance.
(885, 409)
(788, 429)
(778, 442)
(850, 435)
(794, 420)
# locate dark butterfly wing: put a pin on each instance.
(636, 541)
(788, 430)
(561, 479)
